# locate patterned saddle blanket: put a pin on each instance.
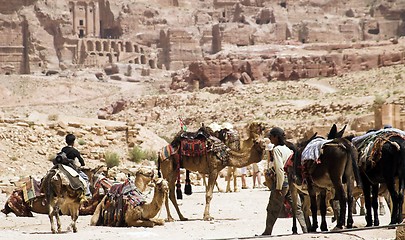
(119, 197)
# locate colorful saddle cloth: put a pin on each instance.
(117, 201)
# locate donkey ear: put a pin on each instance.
(313, 136)
(333, 132)
(341, 132)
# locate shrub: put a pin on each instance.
(151, 156)
(136, 154)
(81, 141)
(112, 159)
(379, 99)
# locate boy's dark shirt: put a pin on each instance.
(73, 153)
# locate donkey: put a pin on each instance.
(382, 160)
(61, 196)
(22, 207)
(336, 165)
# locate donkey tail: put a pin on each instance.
(401, 156)
(353, 157)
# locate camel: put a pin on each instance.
(231, 138)
(99, 185)
(382, 160)
(210, 163)
(141, 215)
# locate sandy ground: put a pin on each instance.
(239, 215)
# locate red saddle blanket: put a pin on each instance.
(192, 147)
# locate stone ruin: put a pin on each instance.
(42, 35)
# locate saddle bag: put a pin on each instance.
(193, 147)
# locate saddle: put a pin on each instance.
(74, 179)
(31, 188)
(21, 199)
(119, 197)
(189, 144)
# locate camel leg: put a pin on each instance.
(172, 197)
(58, 223)
(228, 182)
(142, 223)
(212, 177)
(235, 182)
(219, 189)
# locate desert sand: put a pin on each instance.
(237, 215)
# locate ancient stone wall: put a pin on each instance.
(267, 66)
(389, 114)
(13, 58)
(180, 48)
(85, 16)
(98, 52)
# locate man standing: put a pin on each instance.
(279, 155)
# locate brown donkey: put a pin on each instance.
(61, 196)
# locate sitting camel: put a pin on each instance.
(99, 186)
(212, 160)
(128, 214)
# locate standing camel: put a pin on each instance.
(210, 163)
(382, 160)
(231, 138)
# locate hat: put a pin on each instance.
(227, 125)
(276, 131)
(215, 127)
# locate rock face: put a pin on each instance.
(290, 63)
(39, 35)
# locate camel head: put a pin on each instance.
(161, 186)
(146, 173)
(94, 174)
(256, 129)
(144, 176)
